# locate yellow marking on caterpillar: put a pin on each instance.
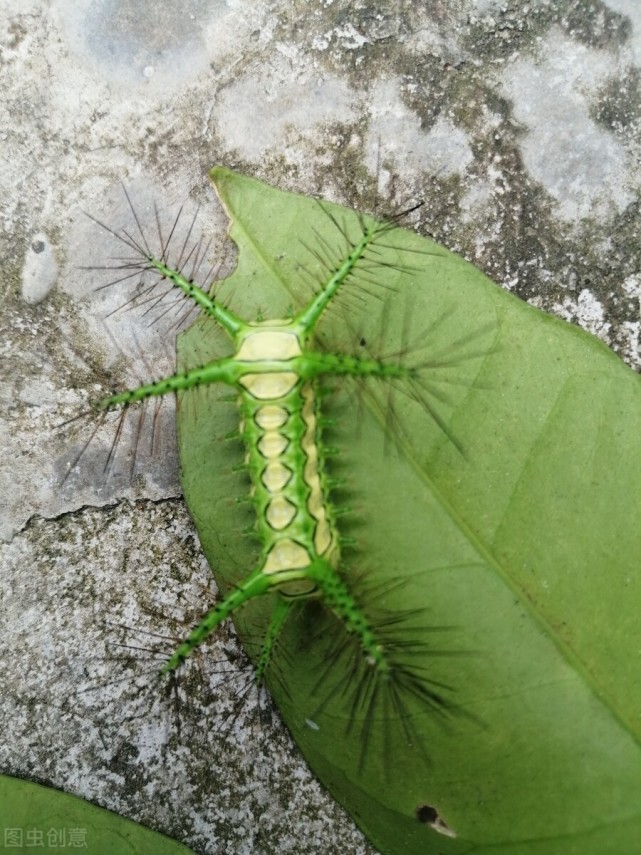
(286, 554)
(323, 540)
(276, 476)
(280, 512)
(269, 386)
(271, 416)
(272, 444)
(323, 537)
(269, 344)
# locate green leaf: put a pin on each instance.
(36, 818)
(522, 551)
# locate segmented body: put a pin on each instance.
(274, 370)
(289, 489)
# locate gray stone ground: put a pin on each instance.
(518, 124)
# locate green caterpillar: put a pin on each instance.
(341, 593)
(275, 370)
(463, 675)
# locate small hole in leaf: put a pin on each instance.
(426, 814)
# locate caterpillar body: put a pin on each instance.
(433, 672)
(343, 636)
(275, 370)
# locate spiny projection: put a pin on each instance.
(275, 371)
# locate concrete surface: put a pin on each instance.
(518, 124)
